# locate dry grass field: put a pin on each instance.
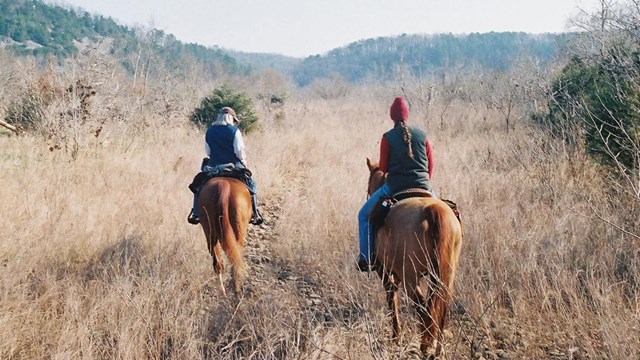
(98, 261)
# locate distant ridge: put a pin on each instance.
(423, 55)
(33, 27)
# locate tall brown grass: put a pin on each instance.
(99, 262)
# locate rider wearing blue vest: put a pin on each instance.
(406, 158)
(224, 145)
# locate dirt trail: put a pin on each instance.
(269, 270)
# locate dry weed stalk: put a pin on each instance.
(98, 261)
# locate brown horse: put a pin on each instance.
(420, 240)
(224, 205)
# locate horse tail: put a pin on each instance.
(446, 241)
(228, 238)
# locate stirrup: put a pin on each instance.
(256, 219)
(193, 219)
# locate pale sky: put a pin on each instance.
(307, 27)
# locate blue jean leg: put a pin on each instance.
(365, 231)
(252, 186)
(205, 161)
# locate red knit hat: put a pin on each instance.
(399, 109)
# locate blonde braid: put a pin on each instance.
(407, 137)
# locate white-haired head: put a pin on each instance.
(226, 116)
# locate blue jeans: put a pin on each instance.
(365, 230)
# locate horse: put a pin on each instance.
(225, 207)
(420, 240)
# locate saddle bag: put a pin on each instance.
(202, 177)
(380, 211)
(198, 181)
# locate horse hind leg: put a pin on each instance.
(224, 292)
(433, 312)
(439, 304)
(233, 250)
(218, 266)
(212, 233)
(391, 289)
(428, 327)
(238, 279)
(216, 259)
(239, 269)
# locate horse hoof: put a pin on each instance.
(430, 354)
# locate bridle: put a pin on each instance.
(371, 174)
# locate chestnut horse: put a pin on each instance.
(224, 205)
(420, 240)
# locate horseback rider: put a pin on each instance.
(406, 158)
(224, 147)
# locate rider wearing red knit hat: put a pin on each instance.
(406, 158)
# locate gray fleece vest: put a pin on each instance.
(406, 172)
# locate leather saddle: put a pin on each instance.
(381, 209)
(202, 177)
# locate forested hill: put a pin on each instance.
(37, 28)
(420, 55)
(282, 63)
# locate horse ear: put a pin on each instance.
(369, 164)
